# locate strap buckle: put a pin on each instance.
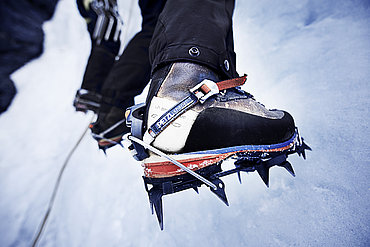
(204, 90)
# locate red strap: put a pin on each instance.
(222, 85)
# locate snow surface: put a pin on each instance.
(309, 57)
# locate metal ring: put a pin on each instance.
(227, 65)
(194, 51)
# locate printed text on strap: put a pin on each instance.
(199, 93)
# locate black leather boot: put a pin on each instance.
(229, 118)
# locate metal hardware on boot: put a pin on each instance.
(227, 65)
(134, 120)
(204, 90)
(199, 93)
(173, 161)
(194, 51)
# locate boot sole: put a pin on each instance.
(107, 143)
(159, 167)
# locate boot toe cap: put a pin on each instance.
(219, 128)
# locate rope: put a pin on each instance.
(56, 187)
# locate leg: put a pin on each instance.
(194, 31)
(128, 77)
(102, 55)
(131, 73)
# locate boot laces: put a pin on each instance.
(241, 92)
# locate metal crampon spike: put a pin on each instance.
(220, 191)
(288, 167)
(104, 149)
(151, 207)
(155, 197)
(239, 177)
(196, 189)
(263, 170)
(301, 149)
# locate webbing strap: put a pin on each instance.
(199, 93)
(222, 85)
(171, 115)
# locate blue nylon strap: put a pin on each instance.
(172, 114)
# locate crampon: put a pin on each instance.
(167, 174)
(86, 100)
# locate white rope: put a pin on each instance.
(56, 187)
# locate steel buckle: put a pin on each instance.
(202, 96)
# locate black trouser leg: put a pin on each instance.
(187, 30)
(195, 31)
(102, 55)
(99, 64)
(131, 73)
